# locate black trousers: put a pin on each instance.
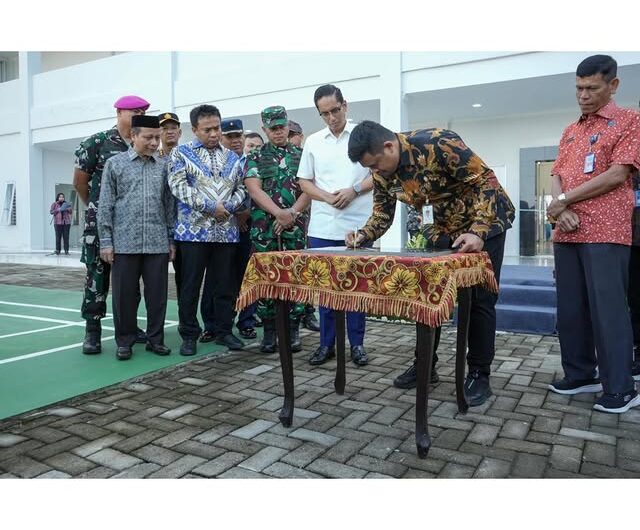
(126, 272)
(593, 314)
(482, 319)
(62, 233)
(218, 261)
(633, 295)
(176, 270)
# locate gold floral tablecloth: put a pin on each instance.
(415, 287)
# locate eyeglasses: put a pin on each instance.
(333, 112)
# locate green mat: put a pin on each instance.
(38, 368)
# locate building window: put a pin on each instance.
(9, 205)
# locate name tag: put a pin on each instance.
(427, 214)
(590, 163)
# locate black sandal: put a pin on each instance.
(248, 333)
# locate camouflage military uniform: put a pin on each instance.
(91, 157)
(276, 167)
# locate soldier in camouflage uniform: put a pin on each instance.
(279, 210)
(91, 157)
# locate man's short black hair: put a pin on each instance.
(598, 64)
(368, 137)
(327, 90)
(253, 135)
(202, 111)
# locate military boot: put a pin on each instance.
(91, 344)
(268, 344)
(294, 331)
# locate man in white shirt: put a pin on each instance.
(341, 202)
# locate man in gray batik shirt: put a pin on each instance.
(135, 226)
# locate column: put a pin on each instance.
(393, 116)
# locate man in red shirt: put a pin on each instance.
(592, 207)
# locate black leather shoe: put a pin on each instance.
(207, 336)
(91, 344)
(230, 341)
(189, 347)
(294, 334)
(476, 388)
(409, 378)
(141, 336)
(322, 355)
(310, 322)
(359, 356)
(158, 349)
(124, 353)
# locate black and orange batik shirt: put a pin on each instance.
(437, 168)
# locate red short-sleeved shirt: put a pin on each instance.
(606, 218)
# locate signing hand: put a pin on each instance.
(468, 243)
(106, 255)
(354, 239)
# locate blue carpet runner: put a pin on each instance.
(527, 301)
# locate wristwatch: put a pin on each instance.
(562, 198)
(357, 187)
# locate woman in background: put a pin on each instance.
(61, 211)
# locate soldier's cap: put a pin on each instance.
(294, 128)
(131, 102)
(231, 126)
(274, 116)
(168, 116)
(142, 120)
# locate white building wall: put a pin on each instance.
(9, 109)
(14, 237)
(56, 60)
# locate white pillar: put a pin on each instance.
(30, 199)
(393, 116)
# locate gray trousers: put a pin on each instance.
(593, 315)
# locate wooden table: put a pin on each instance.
(418, 286)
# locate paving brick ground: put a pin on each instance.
(217, 417)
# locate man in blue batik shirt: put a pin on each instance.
(205, 179)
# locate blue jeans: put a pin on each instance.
(355, 321)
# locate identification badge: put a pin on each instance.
(590, 163)
(427, 214)
(637, 198)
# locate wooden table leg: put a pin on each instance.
(424, 358)
(462, 338)
(464, 311)
(286, 361)
(340, 368)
